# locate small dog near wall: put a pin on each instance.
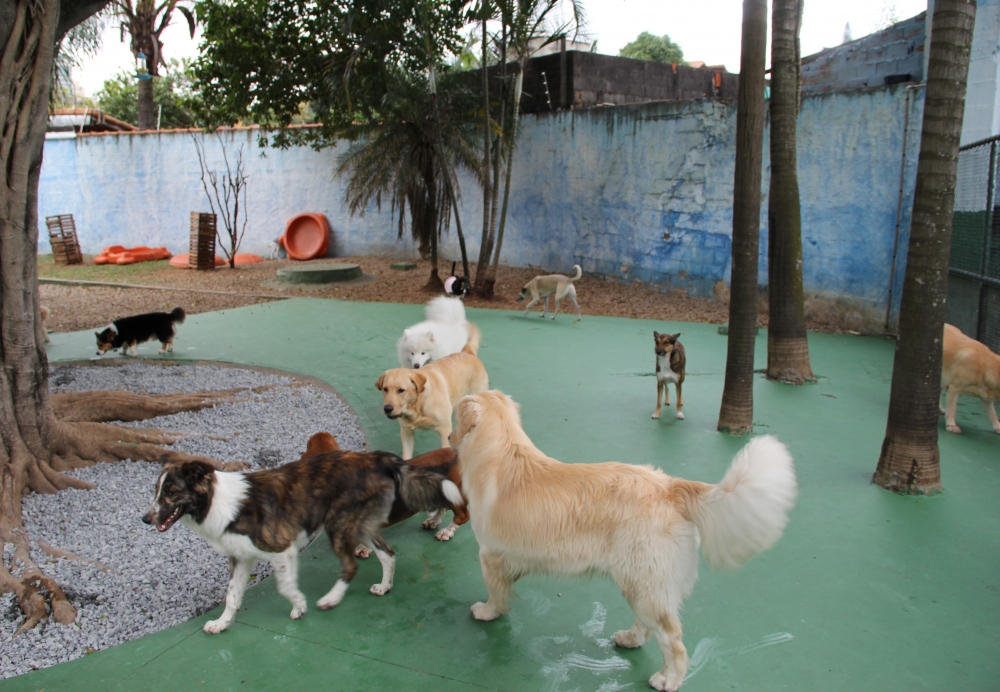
(670, 362)
(424, 399)
(544, 286)
(127, 332)
(968, 367)
(535, 515)
(273, 514)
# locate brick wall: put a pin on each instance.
(886, 57)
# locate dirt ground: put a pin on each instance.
(90, 307)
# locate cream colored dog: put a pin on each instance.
(424, 399)
(533, 514)
(968, 367)
(544, 286)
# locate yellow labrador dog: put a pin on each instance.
(424, 399)
(968, 367)
(544, 286)
(636, 524)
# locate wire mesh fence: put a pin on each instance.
(974, 277)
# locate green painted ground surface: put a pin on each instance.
(866, 591)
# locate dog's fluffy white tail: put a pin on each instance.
(746, 513)
(452, 493)
(445, 309)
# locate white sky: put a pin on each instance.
(707, 30)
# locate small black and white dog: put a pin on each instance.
(129, 331)
(273, 514)
(456, 285)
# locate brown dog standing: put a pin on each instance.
(670, 362)
(969, 367)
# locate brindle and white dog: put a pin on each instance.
(273, 514)
(670, 363)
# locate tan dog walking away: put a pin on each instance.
(535, 515)
(424, 399)
(968, 367)
(544, 286)
(670, 363)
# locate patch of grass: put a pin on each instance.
(88, 271)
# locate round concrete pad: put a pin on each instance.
(403, 266)
(319, 273)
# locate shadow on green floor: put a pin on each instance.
(866, 591)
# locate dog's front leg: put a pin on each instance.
(991, 413)
(499, 584)
(534, 299)
(388, 560)
(545, 311)
(234, 597)
(406, 437)
(951, 404)
(286, 571)
(659, 395)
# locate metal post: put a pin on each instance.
(987, 232)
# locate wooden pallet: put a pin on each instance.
(62, 238)
(202, 251)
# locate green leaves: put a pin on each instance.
(649, 47)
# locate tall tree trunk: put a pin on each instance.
(787, 343)
(910, 461)
(35, 447)
(434, 282)
(487, 139)
(736, 412)
(146, 108)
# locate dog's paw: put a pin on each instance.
(432, 522)
(680, 416)
(664, 682)
(447, 533)
(379, 590)
(297, 612)
(655, 415)
(362, 551)
(940, 411)
(484, 611)
(954, 429)
(996, 430)
(628, 639)
(215, 626)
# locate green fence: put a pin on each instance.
(974, 277)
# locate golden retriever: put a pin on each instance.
(533, 514)
(968, 367)
(424, 399)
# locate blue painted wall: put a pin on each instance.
(637, 193)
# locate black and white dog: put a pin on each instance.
(126, 332)
(273, 514)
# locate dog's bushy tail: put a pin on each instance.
(579, 273)
(423, 489)
(445, 309)
(475, 339)
(747, 512)
(177, 315)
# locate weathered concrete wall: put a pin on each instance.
(636, 193)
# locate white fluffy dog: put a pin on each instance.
(533, 514)
(445, 331)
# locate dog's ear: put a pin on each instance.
(656, 334)
(419, 380)
(469, 412)
(378, 382)
(674, 337)
(197, 475)
(430, 338)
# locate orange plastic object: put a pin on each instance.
(248, 258)
(181, 261)
(116, 254)
(306, 236)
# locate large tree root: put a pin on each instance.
(74, 440)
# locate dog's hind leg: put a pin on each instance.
(447, 533)
(234, 597)
(572, 296)
(675, 657)
(388, 560)
(433, 519)
(343, 546)
(633, 638)
(991, 413)
(499, 584)
(286, 572)
(950, 408)
(546, 310)
(680, 401)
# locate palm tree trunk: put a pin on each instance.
(787, 343)
(146, 108)
(736, 412)
(910, 461)
(487, 138)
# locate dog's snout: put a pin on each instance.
(416, 365)
(147, 518)
(387, 408)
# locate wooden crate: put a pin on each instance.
(62, 238)
(202, 252)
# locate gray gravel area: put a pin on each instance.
(151, 581)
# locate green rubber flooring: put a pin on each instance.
(866, 590)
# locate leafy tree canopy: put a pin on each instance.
(262, 59)
(649, 47)
(173, 91)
